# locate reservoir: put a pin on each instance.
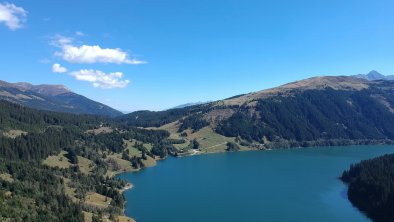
(278, 185)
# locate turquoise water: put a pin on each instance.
(280, 185)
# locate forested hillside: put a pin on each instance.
(316, 111)
(60, 167)
(331, 115)
(371, 187)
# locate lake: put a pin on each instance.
(278, 185)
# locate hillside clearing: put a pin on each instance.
(125, 219)
(100, 130)
(6, 177)
(97, 200)
(85, 165)
(14, 133)
(59, 160)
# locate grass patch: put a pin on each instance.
(149, 162)
(172, 128)
(182, 146)
(132, 150)
(125, 219)
(209, 140)
(87, 216)
(14, 133)
(6, 177)
(86, 166)
(148, 146)
(100, 130)
(58, 161)
(97, 200)
(69, 191)
(117, 165)
(130, 145)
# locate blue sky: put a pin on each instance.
(156, 54)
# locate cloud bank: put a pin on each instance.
(12, 16)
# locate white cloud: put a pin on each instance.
(12, 16)
(100, 79)
(90, 54)
(58, 68)
(95, 54)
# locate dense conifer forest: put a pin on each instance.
(371, 187)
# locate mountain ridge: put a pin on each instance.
(319, 82)
(46, 89)
(53, 98)
(323, 110)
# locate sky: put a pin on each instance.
(157, 54)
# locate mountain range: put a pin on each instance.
(323, 110)
(53, 98)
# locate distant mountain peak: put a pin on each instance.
(374, 75)
(374, 72)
